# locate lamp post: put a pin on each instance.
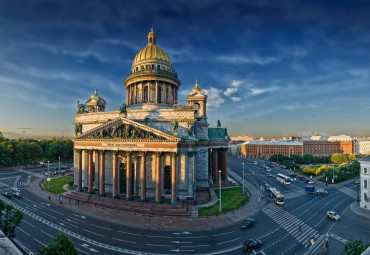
(219, 182)
(333, 175)
(59, 163)
(48, 174)
(243, 177)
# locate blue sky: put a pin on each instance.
(270, 68)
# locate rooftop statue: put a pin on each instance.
(123, 108)
(175, 125)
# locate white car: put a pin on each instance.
(333, 215)
(311, 182)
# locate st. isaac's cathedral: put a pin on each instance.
(152, 148)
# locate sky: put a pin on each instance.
(269, 68)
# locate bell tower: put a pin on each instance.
(198, 98)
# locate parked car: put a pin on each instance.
(311, 182)
(7, 194)
(270, 175)
(17, 194)
(300, 177)
(333, 215)
(63, 171)
(321, 192)
(306, 180)
(294, 174)
(251, 244)
(247, 223)
(68, 168)
(357, 181)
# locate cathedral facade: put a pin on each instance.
(152, 147)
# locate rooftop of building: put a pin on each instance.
(327, 138)
(279, 142)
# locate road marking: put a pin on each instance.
(159, 236)
(47, 234)
(29, 223)
(191, 236)
(254, 252)
(121, 240)
(67, 224)
(180, 242)
(16, 180)
(128, 233)
(100, 227)
(56, 212)
(229, 241)
(93, 233)
(160, 245)
(40, 242)
(224, 233)
(178, 250)
(191, 246)
(72, 221)
(23, 231)
(78, 220)
(81, 250)
(49, 215)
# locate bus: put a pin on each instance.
(277, 196)
(283, 179)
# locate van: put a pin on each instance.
(15, 190)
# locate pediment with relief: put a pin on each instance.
(122, 128)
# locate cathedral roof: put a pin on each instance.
(96, 99)
(152, 51)
(218, 134)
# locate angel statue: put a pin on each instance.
(123, 108)
(218, 123)
(190, 128)
(78, 128)
(81, 108)
(175, 125)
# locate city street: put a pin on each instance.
(277, 226)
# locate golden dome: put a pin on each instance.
(152, 51)
(196, 88)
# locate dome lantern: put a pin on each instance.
(152, 37)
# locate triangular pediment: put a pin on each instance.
(122, 128)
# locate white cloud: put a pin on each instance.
(245, 59)
(115, 41)
(235, 99)
(214, 100)
(259, 91)
(229, 91)
(236, 83)
(234, 87)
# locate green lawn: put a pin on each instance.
(232, 199)
(56, 185)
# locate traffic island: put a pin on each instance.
(56, 185)
(231, 200)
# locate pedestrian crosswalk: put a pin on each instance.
(293, 225)
(3, 185)
(350, 192)
(22, 183)
(293, 194)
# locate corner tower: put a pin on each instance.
(153, 82)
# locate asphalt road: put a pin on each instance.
(276, 226)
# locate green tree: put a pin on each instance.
(23, 153)
(308, 159)
(62, 245)
(37, 152)
(2, 138)
(278, 158)
(355, 247)
(297, 159)
(338, 158)
(10, 218)
(352, 157)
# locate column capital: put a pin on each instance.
(158, 153)
(101, 152)
(142, 153)
(115, 153)
(128, 153)
(79, 151)
(173, 154)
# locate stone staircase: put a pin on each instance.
(135, 206)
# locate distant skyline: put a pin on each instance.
(269, 68)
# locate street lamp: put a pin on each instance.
(243, 177)
(48, 174)
(59, 163)
(219, 182)
(333, 175)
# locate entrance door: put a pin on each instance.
(167, 178)
(122, 172)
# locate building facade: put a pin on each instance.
(365, 182)
(362, 146)
(323, 146)
(152, 148)
(266, 149)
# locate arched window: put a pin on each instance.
(146, 94)
(159, 99)
(158, 67)
(142, 67)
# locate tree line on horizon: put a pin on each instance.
(24, 152)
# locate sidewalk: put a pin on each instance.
(252, 207)
(355, 207)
